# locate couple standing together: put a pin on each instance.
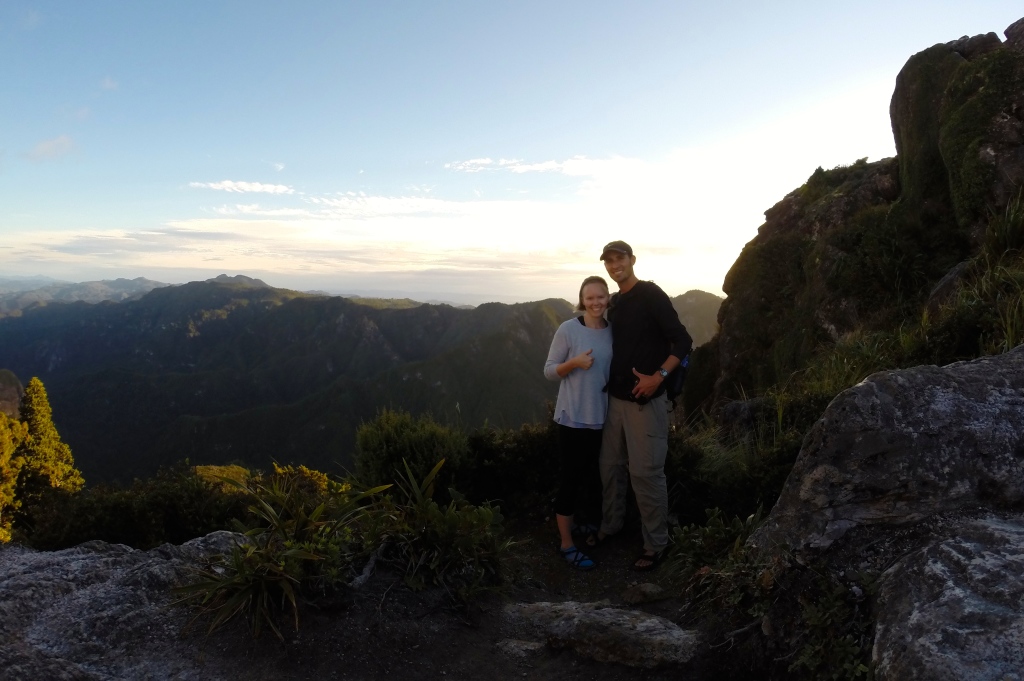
(612, 411)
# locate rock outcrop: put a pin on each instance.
(955, 609)
(853, 242)
(608, 634)
(903, 445)
(99, 611)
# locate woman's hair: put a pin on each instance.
(590, 280)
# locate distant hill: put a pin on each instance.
(234, 370)
(698, 311)
(11, 391)
(17, 295)
(13, 284)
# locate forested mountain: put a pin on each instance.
(232, 369)
(698, 311)
(19, 294)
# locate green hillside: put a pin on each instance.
(234, 370)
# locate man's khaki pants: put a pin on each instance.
(633, 449)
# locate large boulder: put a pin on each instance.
(608, 634)
(903, 445)
(955, 608)
(100, 611)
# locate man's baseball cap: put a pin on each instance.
(618, 247)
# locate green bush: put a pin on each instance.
(458, 546)
(696, 546)
(708, 468)
(300, 546)
(518, 467)
(172, 507)
(396, 436)
(309, 535)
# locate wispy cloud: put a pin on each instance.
(108, 83)
(244, 187)
(687, 214)
(255, 210)
(473, 165)
(516, 165)
(51, 149)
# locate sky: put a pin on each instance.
(467, 151)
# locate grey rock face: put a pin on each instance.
(607, 634)
(968, 48)
(98, 611)
(903, 445)
(1015, 35)
(955, 609)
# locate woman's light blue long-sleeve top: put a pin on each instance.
(582, 401)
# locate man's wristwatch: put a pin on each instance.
(664, 374)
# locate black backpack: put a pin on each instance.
(676, 379)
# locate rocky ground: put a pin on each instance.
(103, 612)
(388, 631)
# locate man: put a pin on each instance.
(648, 342)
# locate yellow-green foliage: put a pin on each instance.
(217, 474)
(11, 435)
(299, 545)
(309, 535)
(35, 464)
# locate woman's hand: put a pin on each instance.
(584, 360)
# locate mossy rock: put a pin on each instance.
(980, 138)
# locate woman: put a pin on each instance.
(580, 357)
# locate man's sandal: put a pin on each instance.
(576, 558)
(652, 561)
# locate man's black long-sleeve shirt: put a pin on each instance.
(645, 331)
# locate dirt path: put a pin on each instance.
(387, 631)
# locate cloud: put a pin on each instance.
(244, 187)
(108, 83)
(474, 165)
(256, 210)
(278, 166)
(51, 149)
(687, 213)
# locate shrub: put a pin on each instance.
(696, 546)
(458, 546)
(396, 436)
(300, 546)
(308, 531)
(708, 468)
(518, 467)
(173, 506)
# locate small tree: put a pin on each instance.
(46, 460)
(396, 436)
(12, 433)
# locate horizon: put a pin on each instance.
(454, 298)
(458, 151)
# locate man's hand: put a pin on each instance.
(584, 360)
(645, 385)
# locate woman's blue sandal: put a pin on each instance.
(576, 558)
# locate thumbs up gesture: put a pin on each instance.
(584, 360)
